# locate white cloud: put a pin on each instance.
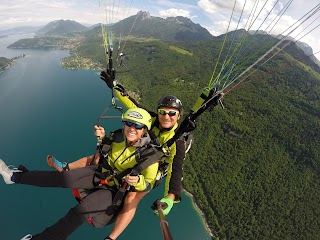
(244, 12)
(166, 8)
(37, 13)
(214, 6)
(173, 12)
(218, 13)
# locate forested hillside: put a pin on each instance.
(4, 63)
(255, 166)
(259, 159)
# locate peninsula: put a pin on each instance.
(5, 63)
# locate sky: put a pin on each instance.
(214, 15)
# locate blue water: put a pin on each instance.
(45, 109)
(6, 41)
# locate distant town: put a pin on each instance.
(57, 42)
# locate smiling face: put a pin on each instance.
(132, 133)
(136, 122)
(165, 120)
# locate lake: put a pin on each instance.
(45, 109)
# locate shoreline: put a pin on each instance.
(11, 62)
(195, 205)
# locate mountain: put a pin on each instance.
(308, 51)
(307, 55)
(172, 29)
(94, 26)
(61, 27)
(233, 35)
(19, 30)
(302, 52)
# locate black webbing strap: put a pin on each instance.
(188, 124)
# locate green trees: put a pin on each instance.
(4, 63)
(254, 167)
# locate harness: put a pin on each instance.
(105, 175)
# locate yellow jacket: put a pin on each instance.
(121, 157)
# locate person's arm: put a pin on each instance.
(173, 186)
(119, 91)
(175, 172)
(83, 162)
(146, 178)
(125, 100)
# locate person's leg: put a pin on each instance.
(94, 204)
(127, 213)
(85, 161)
(56, 164)
(64, 166)
(78, 178)
(106, 217)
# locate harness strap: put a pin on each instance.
(120, 194)
(145, 157)
(152, 156)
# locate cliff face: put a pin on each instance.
(308, 51)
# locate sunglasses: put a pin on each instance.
(135, 125)
(171, 113)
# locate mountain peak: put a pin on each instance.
(61, 27)
(181, 20)
(171, 29)
(143, 15)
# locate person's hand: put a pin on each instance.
(106, 77)
(121, 89)
(131, 180)
(166, 204)
(187, 125)
(99, 131)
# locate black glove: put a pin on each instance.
(106, 77)
(121, 89)
(187, 125)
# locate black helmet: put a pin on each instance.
(171, 102)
